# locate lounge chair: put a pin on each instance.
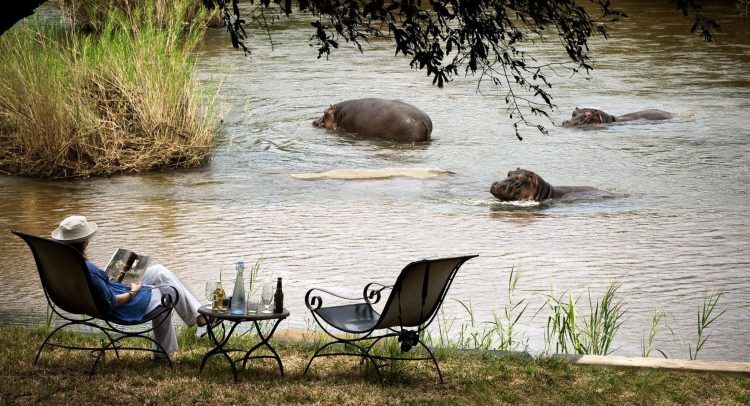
(68, 289)
(411, 306)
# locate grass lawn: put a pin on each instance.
(61, 377)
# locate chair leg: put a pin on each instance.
(39, 352)
(372, 344)
(366, 354)
(318, 352)
(159, 350)
(440, 374)
(96, 362)
(363, 353)
(72, 323)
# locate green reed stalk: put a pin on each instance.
(705, 318)
(252, 276)
(604, 320)
(469, 336)
(561, 325)
(657, 320)
(505, 327)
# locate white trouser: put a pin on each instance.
(159, 278)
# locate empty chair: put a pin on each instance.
(411, 306)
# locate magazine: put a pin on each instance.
(126, 266)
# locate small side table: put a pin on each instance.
(235, 320)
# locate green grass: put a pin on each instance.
(477, 378)
(121, 100)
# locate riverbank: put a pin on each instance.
(61, 377)
(123, 99)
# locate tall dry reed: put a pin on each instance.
(122, 100)
(92, 14)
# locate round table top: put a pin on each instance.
(207, 311)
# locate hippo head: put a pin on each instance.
(521, 185)
(328, 120)
(583, 117)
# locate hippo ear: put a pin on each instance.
(533, 178)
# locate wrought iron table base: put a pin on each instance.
(219, 346)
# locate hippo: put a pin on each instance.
(586, 116)
(371, 117)
(527, 185)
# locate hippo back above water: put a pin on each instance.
(382, 118)
(587, 116)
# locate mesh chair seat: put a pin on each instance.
(354, 318)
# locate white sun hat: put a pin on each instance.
(75, 229)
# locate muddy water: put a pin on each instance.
(672, 223)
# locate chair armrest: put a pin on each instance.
(167, 300)
(315, 302)
(373, 291)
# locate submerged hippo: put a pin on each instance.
(371, 117)
(586, 116)
(526, 185)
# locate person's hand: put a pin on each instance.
(135, 287)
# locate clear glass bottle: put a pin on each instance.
(238, 305)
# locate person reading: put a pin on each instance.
(131, 301)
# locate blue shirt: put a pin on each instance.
(106, 289)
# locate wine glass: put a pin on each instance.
(267, 297)
(210, 288)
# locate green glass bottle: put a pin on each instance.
(278, 298)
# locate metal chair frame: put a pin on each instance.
(371, 295)
(114, 334)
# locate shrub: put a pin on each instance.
(121, 100)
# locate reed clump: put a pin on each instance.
(593, 334)
(92, 14)
(122, 100)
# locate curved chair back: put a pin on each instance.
(64, 275)
(419, 291)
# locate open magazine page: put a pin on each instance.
(127, 266)
(136, 271)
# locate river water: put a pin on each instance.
(671, 226)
